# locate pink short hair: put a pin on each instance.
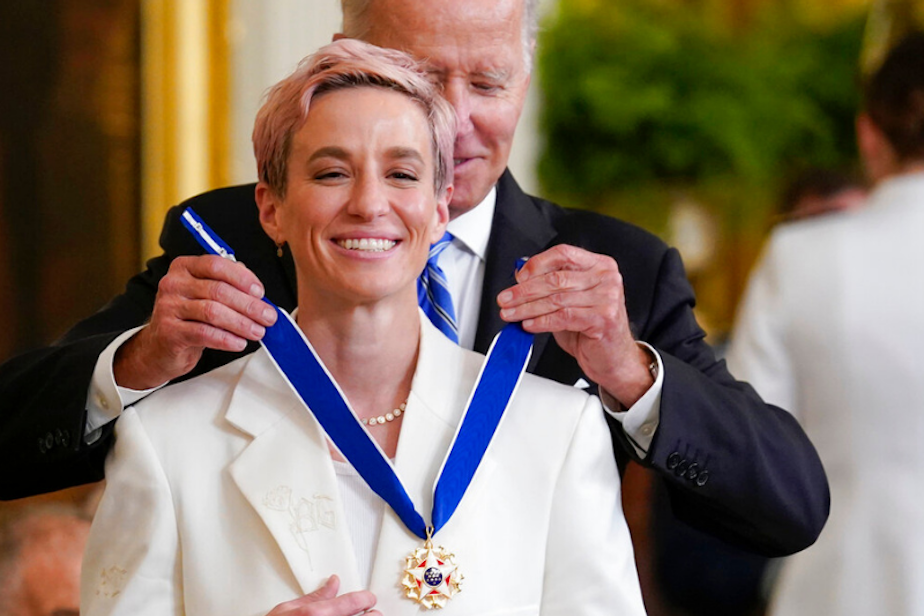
(347, 63)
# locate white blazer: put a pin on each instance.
(832, 328)
(222, 499)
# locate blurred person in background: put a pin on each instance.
(41, 548)
(831, 328)
(697, 573)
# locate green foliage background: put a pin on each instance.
(644, 101)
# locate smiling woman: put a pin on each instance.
(269, 478)
(359, 210)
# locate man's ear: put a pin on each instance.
(268, 203)
(441, 215)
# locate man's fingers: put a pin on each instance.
(219, 315)
(561, 257)
(213, 267)
(195, 334)
(554, 287)
(547, 304)
(186, 296)
(597, 289)
(574, 271)
(586, 321)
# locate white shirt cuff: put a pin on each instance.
(105, 399)
(640, 421)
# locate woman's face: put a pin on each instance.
(360, 210)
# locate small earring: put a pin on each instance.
(279, 246)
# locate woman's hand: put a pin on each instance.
(325, 602)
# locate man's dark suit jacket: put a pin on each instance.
(734, 466)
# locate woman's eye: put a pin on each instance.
(329, 175)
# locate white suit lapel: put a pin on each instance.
(287, 476)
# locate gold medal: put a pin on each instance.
(431, 577)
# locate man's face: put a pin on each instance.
(474, 50)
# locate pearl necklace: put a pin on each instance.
(374, 421)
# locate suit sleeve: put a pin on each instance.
(734, 466)
(43, 393)
(590, 564)
(132, 563)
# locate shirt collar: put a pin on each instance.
(473, 228)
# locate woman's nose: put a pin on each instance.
(368, 199)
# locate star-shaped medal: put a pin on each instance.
(431, 577)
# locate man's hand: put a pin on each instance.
(578, 296)
(202, 302)
(325, 602)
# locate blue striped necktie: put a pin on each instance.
(433, 295)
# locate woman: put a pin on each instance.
(225, 496)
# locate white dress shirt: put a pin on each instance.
(463, 263)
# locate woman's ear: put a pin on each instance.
(268, 203)
(441, 215)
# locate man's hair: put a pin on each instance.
(356, 24)
(894, 98)
(341, 65)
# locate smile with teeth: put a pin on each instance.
(367, 244)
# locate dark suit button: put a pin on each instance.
(693, 471)
(673, 460)
(49, 441)
(702, 478)
(681, 468)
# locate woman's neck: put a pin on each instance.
(371, 351)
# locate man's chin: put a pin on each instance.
(456, 209)
(465, 199)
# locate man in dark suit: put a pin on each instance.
(610, 304)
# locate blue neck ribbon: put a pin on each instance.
(305, 372)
